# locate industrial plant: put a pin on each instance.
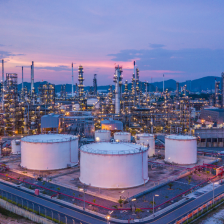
(112, 152)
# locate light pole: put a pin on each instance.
(213, 194)
(108, 219)
(84, 191)
(156, 195)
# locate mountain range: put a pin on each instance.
(205, 83)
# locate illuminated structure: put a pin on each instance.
(113, 165)
(47, 94)
(82, 100)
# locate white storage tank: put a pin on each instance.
(113, 165)
(16, 146)
(148, 140)
(122, 137)
(102, 136)
(181, 149)
(49, 151)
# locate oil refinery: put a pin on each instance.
(110, 153)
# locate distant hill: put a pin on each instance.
(204, 83)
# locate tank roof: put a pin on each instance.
(104, 131)
(181, 137)
(45, 138)
(145, 135)
(122, 133)
(113, 148)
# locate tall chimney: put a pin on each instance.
(72, 82)
(3, 70)
(31, 83)
(177, 89)
(22, 78)
(32, 77)
(3, 85)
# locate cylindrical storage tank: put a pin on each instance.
(49, 151)
(113, 165)
(16, 146)
(102, 136)
(122, 137)
(148, 140)
(181, 149)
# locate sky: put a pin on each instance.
(182, 39)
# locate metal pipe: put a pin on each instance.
(72, 82)
(163, 83)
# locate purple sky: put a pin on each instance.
(182, 39)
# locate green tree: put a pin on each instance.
(120, 201)
(170, 185)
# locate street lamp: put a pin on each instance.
(108, 219)
(84, 190)
(156, 195)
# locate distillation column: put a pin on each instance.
(117, 80)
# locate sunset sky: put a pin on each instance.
(181, 39)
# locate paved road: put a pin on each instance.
(176, 214)
(85, 218)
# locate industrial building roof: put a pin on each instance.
(49, 138)
(113, 148)
(110, 122)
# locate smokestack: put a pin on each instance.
(177, 89)
(32, 77)
(3, 86)
(3, 70)
(163, 82)
(33, 73)
(134, 84)
(31, 81)
(22, 77)
(72, 81)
